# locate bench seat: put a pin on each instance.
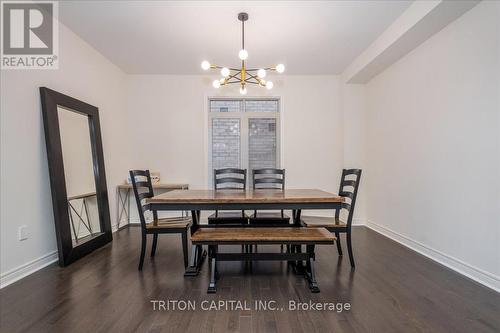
(295, 237)
(263, 235)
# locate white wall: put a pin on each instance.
(433, 147)
(353, 104)
(169, 119)
(25, 192)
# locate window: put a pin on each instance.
(243, 133)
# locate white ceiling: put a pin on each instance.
(173, 37)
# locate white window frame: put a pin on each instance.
(244, 117)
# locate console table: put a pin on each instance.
(123, 193)
(81, 220)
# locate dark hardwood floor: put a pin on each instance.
(393, 289)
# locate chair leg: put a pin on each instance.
(185, 247)
(349, 249)
(143, 250)
(153, 247)
(339, 246)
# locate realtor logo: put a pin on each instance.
(29, 35)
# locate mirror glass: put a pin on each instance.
(79, 175)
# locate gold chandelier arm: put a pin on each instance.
(212, 66)
(234, 75)
(257, 79)
(232, 82)
(264, 68)
(252, 82)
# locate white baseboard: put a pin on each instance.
(485, 278)
(26, 269)
(359, 221)
(31, 267)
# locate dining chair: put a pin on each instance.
(229, 179)
(349, 185)
(143, 189)
(270, 179)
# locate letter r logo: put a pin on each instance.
(27, 28)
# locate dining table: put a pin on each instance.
(262, 199)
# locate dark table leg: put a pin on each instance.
(298, 267)
(212, 288)
(309, 273)
(296, 217)
(197, 253)
(290, 248)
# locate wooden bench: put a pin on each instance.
(293, 236)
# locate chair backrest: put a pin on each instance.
(268, 179)
(349, 185)
(230, 179)
(143, 189)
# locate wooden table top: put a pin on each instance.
(159, 186)
(235, 196)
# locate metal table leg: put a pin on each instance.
(213, 269)
(297, 265)
(128, 206)
(309, 273)
(197, 253)
(124, 209)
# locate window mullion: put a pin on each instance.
(244, 141)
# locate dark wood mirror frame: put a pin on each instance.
(50, 101)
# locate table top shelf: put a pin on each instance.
(82, 196)
(159, 186)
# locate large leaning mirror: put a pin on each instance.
(77, 176)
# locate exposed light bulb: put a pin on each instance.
(243, 54)
(280, 68)
(222, 81)
(243, 90)
(205, 65)
(225, 72)
(269, 85)
(261, 73)
(216, 83)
